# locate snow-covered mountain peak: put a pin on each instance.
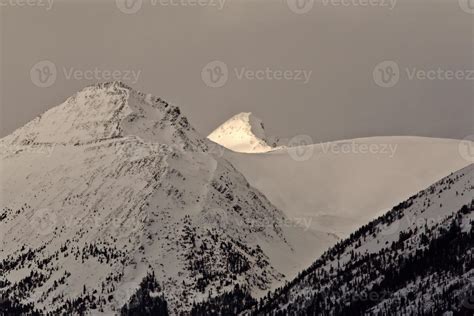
(113, 186)
(243, 132)
(109, 111)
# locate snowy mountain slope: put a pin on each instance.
(244, 133)
(342, 185)
(415, 260)
(113, 189)
(111, 111)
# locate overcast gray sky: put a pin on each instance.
(337, 46)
